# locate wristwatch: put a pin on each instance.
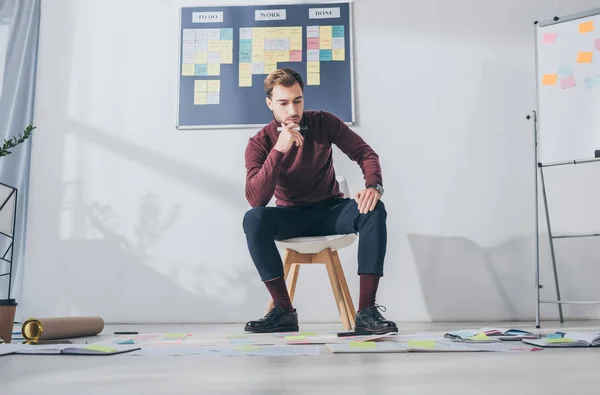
(377, 187)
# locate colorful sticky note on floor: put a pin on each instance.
(586, 27)
(130, 341)
(560, 340)
(592, 82)
(554, 336)
(585, 57)
(480, 336)
(565, 71)
(295, 337)
(249, 348)
(568, 82)
(421, 343)
(100, 348)
(355, 344)
(549, 79)
(549, 38)
(308, 333)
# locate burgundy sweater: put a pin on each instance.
(304, 175)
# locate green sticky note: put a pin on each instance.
(480, 336)
(175, 335)
(308, 333)
(100, 348)
(249, 348)
(560, 340)
(354, 344)
(421, 343)
(295, 338)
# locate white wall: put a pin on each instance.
(443, 101)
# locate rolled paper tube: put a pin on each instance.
(35, 329)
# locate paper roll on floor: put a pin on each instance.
(35, 329)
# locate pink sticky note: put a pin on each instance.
(296, 56)
(550, 38)
(598, 44)
(312, 43)
(568, 82)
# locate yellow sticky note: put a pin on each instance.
(283, 32)
(295, 31)
(283, 56)
(214, 86)
(214, 46)
(201, 57)
(308, 333)
(421, 343)
(200, 98)
(339, 54)
(295, 337)
(313, 79)
(226, 57)
(296, 43)
(586, 27)
(585, 57)
(258, 33)
(269, 67)
(325, 43)
(325, 33)
(214, 69)
(249, 348)
(549, 79)
(258, 56)
(245, 80)
(226, 46)
(271, 32)
(245, 68)
(354, 344)
(187, 69)
(560, 340)
(313, 67)
(480, 336)
(200, 86)
(175, 335)
(100, 348)
(270, 56)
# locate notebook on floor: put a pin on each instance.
(567, 339)
(70, 349)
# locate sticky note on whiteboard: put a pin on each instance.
(549, 38)
(568, 82)
(549, 79)
(586, 27)
(565, 71)
(585, 57)
(592, 82)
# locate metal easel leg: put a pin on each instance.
(551, 240)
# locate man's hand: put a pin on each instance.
(367, 200)
(288, 137)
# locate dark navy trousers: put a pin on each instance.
(264, 225)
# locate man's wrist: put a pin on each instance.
(377, 187)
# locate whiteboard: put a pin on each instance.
(568, 87)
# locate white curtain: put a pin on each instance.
(19, 29)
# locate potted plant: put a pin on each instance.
(8, 305)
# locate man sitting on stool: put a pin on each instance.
(291, 158)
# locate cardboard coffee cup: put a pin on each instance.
(8, 308)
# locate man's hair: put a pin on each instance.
(286, 77)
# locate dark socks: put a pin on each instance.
(368, 290)
(279, 293)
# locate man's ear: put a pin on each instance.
(269, 103)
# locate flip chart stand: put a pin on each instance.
(5, 257)
(552, 237)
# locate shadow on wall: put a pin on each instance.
(462, 281)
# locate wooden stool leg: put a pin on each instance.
(293, 279)
(345, 291)
(337, 289)
(287, 265)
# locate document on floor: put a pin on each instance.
(367, 347)
(567, 339)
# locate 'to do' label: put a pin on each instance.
(207, 17)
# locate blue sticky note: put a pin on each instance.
(325, 55)
(226, 34)
(246, 57)
(554, 336)
(337, 31)
(201, 70)
(565, 71)
(245, 46)
(592, 82)
(130, 341)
